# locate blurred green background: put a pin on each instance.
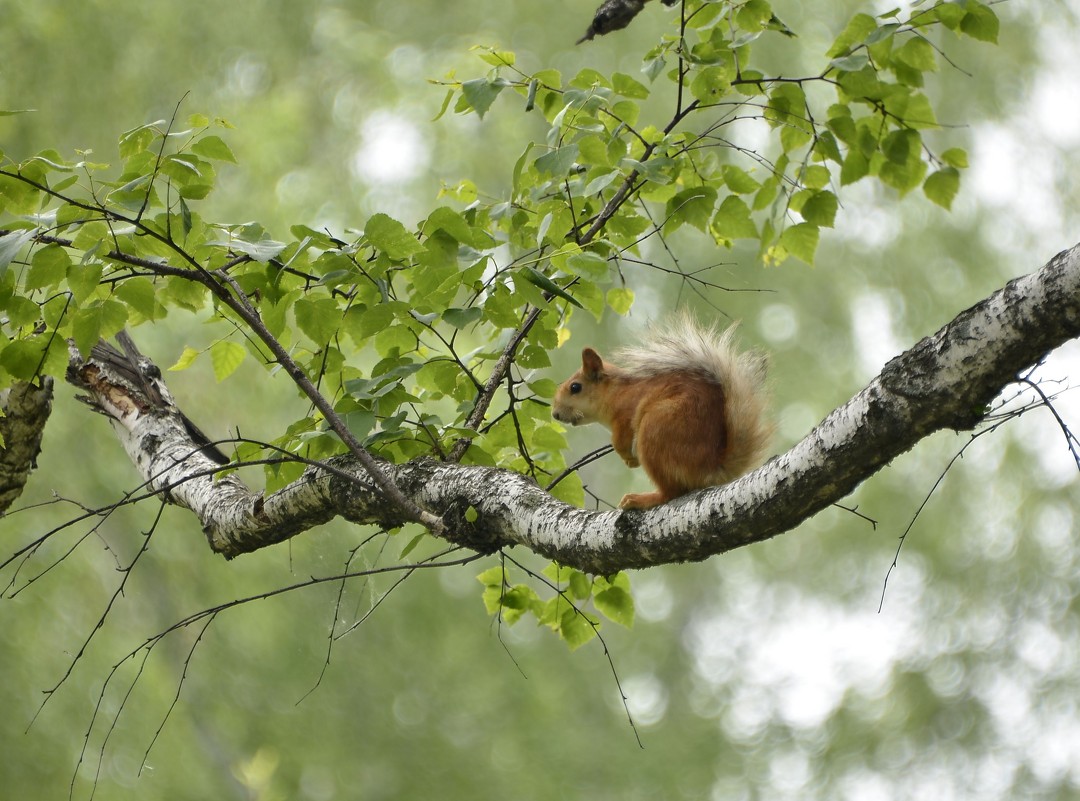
(767, 673)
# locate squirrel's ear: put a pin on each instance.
(591, 363)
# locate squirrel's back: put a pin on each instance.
(682, 344)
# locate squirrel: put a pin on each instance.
(684, 404)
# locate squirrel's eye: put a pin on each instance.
(575, 388)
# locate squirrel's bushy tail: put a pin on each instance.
(682, 343)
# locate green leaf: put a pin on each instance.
(25, 359)
(497, 58)
(21, 311)
(852, 63)
(770, 188)
(732, 221)
(842, 125)
(579, 585)
(883, 32)
(360, 422)
(980, 22)
(391, 237)
(820, 209)
(855, 166)
(588, 265)
(462, 318)
(537, 278)
(226, 356)
(801, 241)
(589, 78)
(99, 320)
(950, 14)
(593, 150)
(187, 358)
(711, 83)
(914, 109)
(68, 214)
(51, 160)
(545, 388)
(440, 376)
(213, 147)
(627, 86)
(394, 341)
(11, 244)
(653, 67)
(480, 93)
(739, 180)
(492, 595)
(694, 206)
(182, 292)
(48, 267)
(319, 318)
(515, 602)
(955, 157)
(918, 54)
(793, 137)
(787, 106)
(613, 599)
(363, 322)
(185, 217)
(620, 299)
(860, 26)
(601, 182)
(19, 197)
(454, 223)
(815, 177)
(139, 293)
(903, 177)
(138, 139)
(183, 167)
(261, 250)
(576, 627)
(534, 357)
(492, 577)
(942, 186)
(556, 572)
(83, 279)
(410, 546)
(558, 162)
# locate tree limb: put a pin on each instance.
(614, 15)
(944, 381)
(24, 410)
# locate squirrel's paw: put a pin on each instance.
(641, 500)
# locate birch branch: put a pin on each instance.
(945, 381)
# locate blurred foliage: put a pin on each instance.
(766, 673)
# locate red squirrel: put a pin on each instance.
(684, 404)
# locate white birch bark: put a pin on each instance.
(944, 381)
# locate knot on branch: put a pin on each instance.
(125, 384)
(465, 526)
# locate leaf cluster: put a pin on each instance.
(565, 612)
(431, 338)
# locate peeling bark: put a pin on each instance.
(944, 381)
